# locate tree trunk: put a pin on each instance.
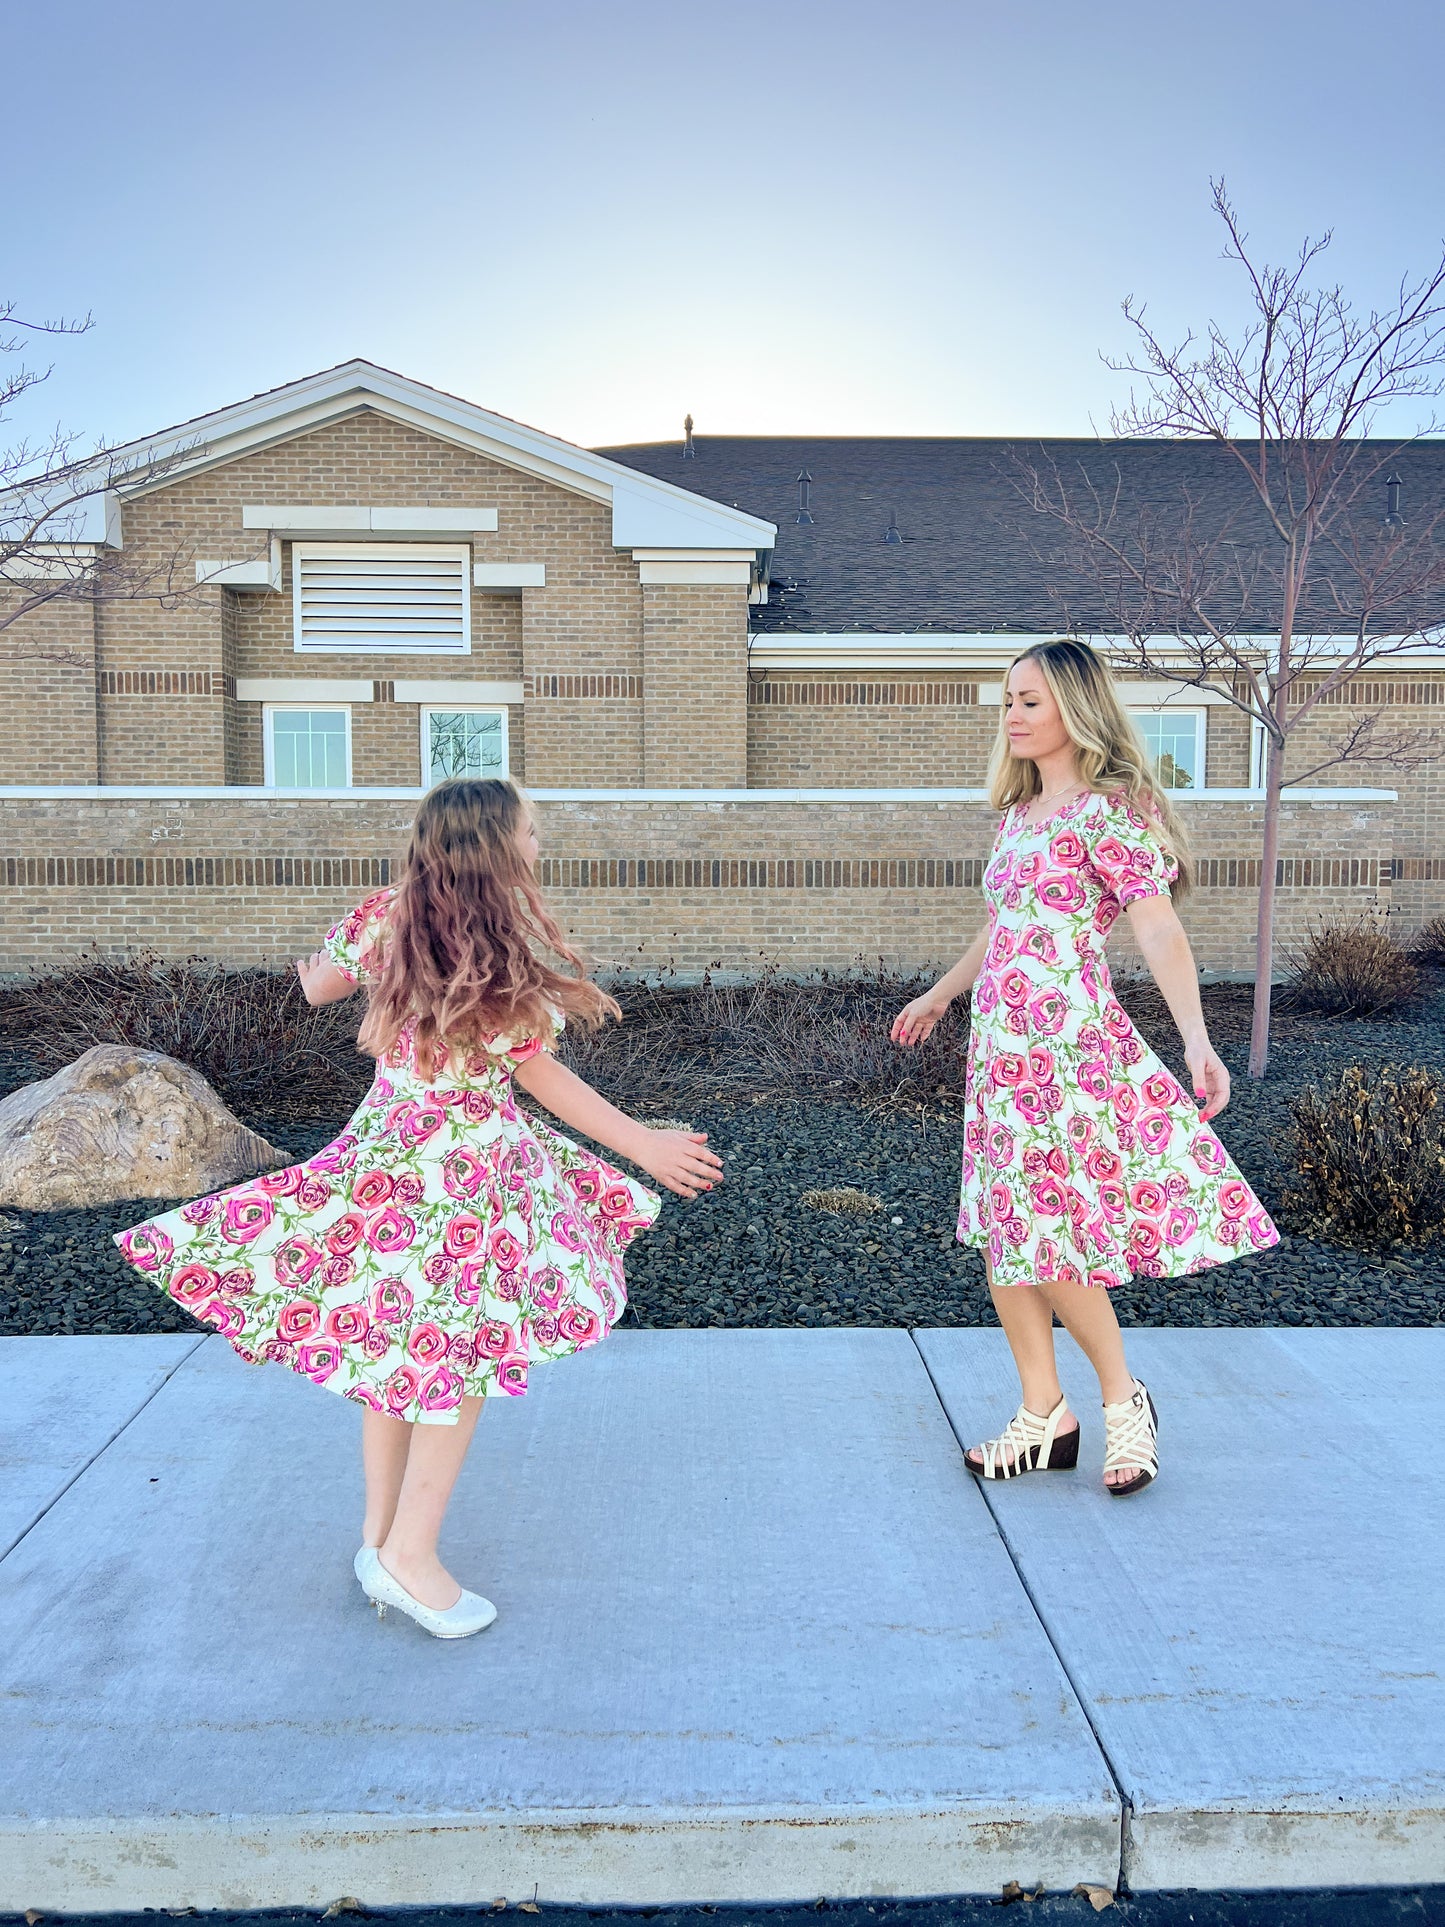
(1264, 924)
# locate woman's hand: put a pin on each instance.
(1211, 1079)
(917, 1020)
(321, 981)
(676, 1159)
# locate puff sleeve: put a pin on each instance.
(351, 943)
(1128, 855)
(519, 1049)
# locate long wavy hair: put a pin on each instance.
(460, 947)
(1111, 756)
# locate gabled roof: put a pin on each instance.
(973, 555)
(647, 511)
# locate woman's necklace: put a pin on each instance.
(1049, 796)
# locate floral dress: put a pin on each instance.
(437, 1249)
(1083, 1159)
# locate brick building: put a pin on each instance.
(755, 710)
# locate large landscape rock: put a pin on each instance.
(122, 1123)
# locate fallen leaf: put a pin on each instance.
(528, 1907)
(348, 1904)
(1098, 1897)
(500, 1905)
(31, 1916)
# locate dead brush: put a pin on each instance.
(846, 1200)
(1351, 970)
(1427, 946)
(250, 1033)
(1369, 1156)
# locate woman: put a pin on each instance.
(1083, 1160)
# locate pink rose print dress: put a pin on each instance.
(437, 1249)
(1083, 1159)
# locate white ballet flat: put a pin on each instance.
(471, 1613)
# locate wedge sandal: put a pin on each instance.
(1028, 1443)
(1131, 1437)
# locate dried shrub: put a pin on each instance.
(1369, 1154)
(1427, 946)
(1352, 970)
(250, 1033)
(845, 1199)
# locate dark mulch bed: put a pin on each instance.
(752, 1254)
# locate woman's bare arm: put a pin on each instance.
(675, 1158)
(1160, 936)
(916, 1020)
(321, 981)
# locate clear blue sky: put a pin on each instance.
(810, 216)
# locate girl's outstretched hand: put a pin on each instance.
(916, 1020)
(678, 1161)
(1210, 1078)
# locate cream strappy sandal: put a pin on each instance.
(1028, 1443)
(1131, 1437)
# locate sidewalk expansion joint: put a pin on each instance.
(1126, 1805)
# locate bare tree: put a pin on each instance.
(1281, 585)
(52, 493)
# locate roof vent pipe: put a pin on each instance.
(689, 453)
(805, 482)
(893, 535)
(1393, 517)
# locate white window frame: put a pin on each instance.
(1177, 712)
(384, 645)
(268, 738)
(428, 710)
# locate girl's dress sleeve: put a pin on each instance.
(520, 1049)
(1128, 855)
(351, 943)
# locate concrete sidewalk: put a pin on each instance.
(761, 1635)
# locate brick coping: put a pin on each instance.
(258, 793)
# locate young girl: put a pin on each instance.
(445, 1242)
(1083, 1160)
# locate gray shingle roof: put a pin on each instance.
(974, 556)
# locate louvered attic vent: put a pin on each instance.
(386, 598)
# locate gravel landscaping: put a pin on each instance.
(753, 1253)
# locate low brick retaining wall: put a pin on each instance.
(641, 880)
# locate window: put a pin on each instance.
(389, 598)
(307, 749)
(1175, 739)
(463, 742)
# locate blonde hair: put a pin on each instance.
(1111, 757)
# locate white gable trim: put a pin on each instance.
(645, 511)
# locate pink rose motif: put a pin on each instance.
(228, 1320)
(1034, 1162)
(998, 872)
(579, 1325)
(1101, 1280)
(1144, 1241)
(478, 1106)
(400, 1389)
(295, 1261)
(192, 1284)
(300, 1319)
(494, 1340)
(1155, 1130)
(468, 1287)
(1094, 1079)
(408, 1189)
(1052, 1098)
(566, 1230)
(1000, 1200)
(1029, 1104)
(320, 1360)
(1126, 1102)
(247, 1216)
(1107, 915)
(1014, 987)
(1176, 1187)
(1116, 1020)
(1062, 892)
(439, 1269)
(1112, 1202)
(1110, 858)
(1029, 868)
(397, 1116)
(1207, 1152)
(391, 1301)
(441, 1390)
(200, 1210)
(586, 1186)
(1037, 942)
(1048, 1198)
(985, 996)
(335, 1157)
(1089, 977)
(1161, 1089)
(376, 1342)
(1180, 1224)
(509, 1286)
(1234, 1197)
(239, 1282)
(427, 1343)
(548, 1288)
(1080, 1132)
(346, 1234)
(371, 1190)
(464, 1235)
(461, 1173)
(512, 1375)
(1008, 1070)
(529, 1047)
(1091, 1038)
(1147, 1194)
(1016, 1021)
(1261, 1232)
(1048, 1011)
(1230, 1231)
(348, 1324)
(312, 1193)
(338, 1271)
(424, 1122)
(1067, 850)
(544, 1330)
(462, 1350)
(617, 1201)
(1131, 1051)
(506, 1251)
(1041, 1064)
(1102, 1163)
(1127, 1138)
(1000, 1145)
(281, 1184)
(390, 1230)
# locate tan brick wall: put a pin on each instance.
(638, 884)
(695, 660)
(47, 694)
(846, 732)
